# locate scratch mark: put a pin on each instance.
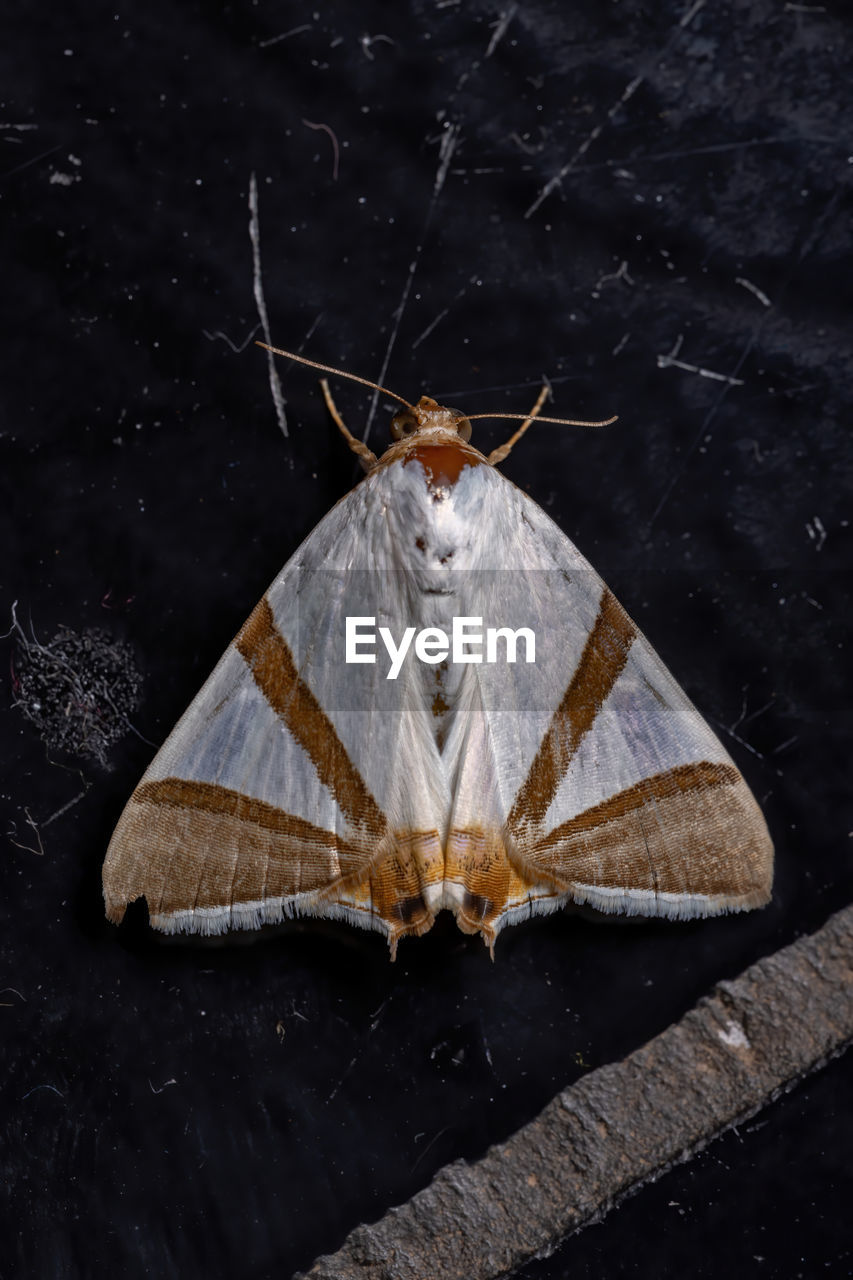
(498, 168)
(714, 148)
(506, 386)
(753, 715)
(743, 718)
(25, 164)
(501, 29)
(429, 1146)
(670, 362)
(691, 13)
(353, 1061)
(747, 746)
(366, 41)
(334, 141)
(260, 302)
(295, 1013)
(626, 95)
(809, 241)
(591, 137)
(76, 799)
(449, 141)
(441, 315)
(736, 723)
(8, 1004)
(163, 1086)
(753, 288)
(621, 344)
(212, 337)
(10, 834)
(816, 531)
(620, 274)
(310, 333)
(529, 148)
(285, 35)
(36, 1088)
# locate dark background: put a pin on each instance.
(177, 1109)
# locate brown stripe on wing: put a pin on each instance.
(183, 844)
(182, 793)
(660, 786)
(693, 829)
(604, 655)
(271, 663)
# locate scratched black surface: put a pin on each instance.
(236, 1109)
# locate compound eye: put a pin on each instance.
(404, 423)
(461, 423)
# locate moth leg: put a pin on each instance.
(366, 456)
(498, 455)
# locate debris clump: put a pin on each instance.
(79, 689)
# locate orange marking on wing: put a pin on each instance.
(271, 663)
(604, 656)
(660, 786)
(182, 793)
(693, 829)
(394, 888)
(479, 863)
(187, 844)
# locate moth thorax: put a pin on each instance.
(428, 414)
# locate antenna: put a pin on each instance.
(565, 422)
(339, 373)
(472, 417)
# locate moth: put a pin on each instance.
(305, 780)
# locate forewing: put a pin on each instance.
(588, 774)
(294, 783)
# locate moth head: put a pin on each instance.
(429, 413)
